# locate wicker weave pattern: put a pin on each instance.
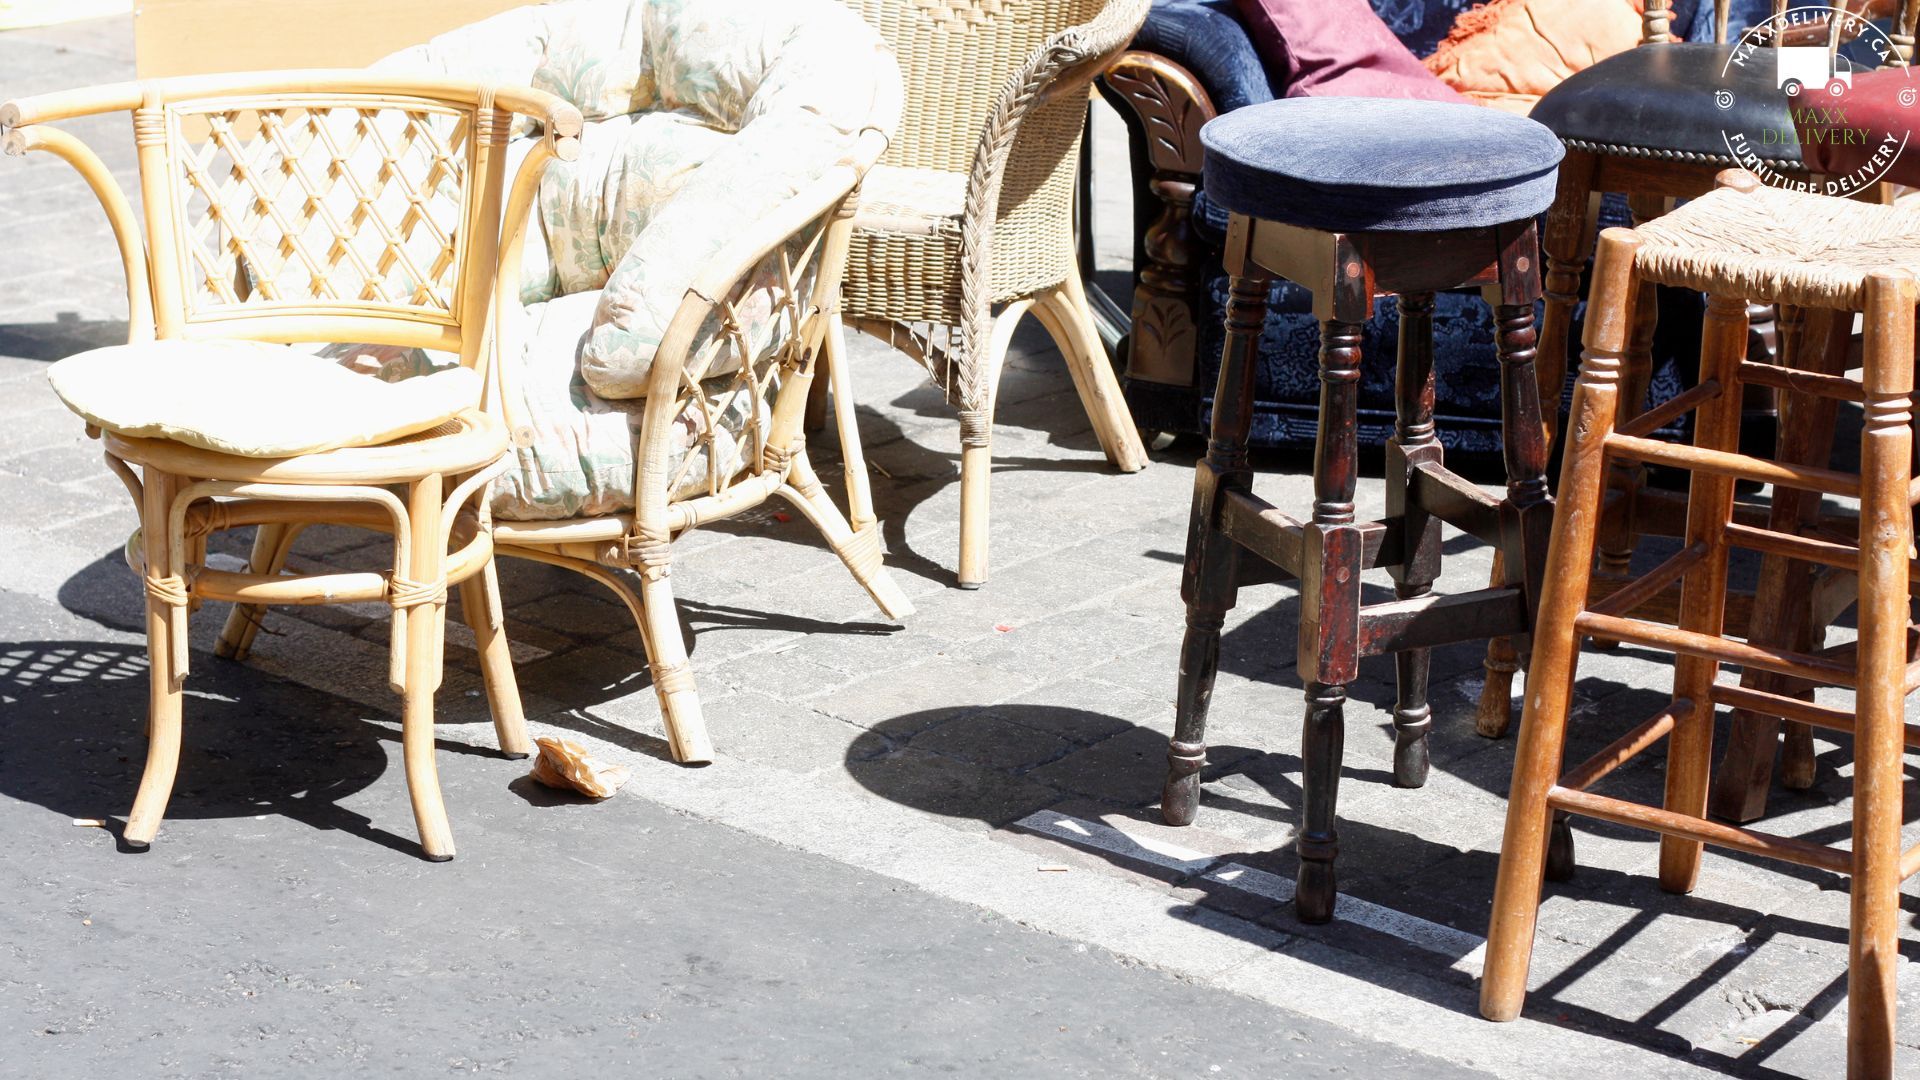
(1770, 244)
(996, 92)
(329, 201)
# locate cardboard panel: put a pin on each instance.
(199, 37)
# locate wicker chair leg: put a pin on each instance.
(1066, 314)
(480, 603)
(858, 548)
(976, 451)
(164, 695)
(672, 673)
(272, 542)
(426, 563)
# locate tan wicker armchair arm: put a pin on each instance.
(17, 140)
(560, 140)
(1064, 65)
(833, 193)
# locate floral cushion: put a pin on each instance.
(703, 117)
(796, 81)
(586, 51)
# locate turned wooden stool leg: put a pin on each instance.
(164, 677)
(1207, 580)
(1413, 444)
(1703, 592)
(1330, 557)
(1886, 534)
(1564, 245)
(1618, 528)
(1537, 754)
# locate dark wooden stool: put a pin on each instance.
(1323, 192)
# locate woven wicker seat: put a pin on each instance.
(971, 210)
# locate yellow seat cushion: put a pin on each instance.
(250, 398)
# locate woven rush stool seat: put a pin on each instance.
(1353, 199)
(1832, 257)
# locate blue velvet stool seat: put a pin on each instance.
(1379, 164)
(1353, 198)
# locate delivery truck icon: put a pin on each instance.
(1800, 66)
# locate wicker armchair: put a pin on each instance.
(305, 207)
(971, 210)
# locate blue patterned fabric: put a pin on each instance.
(1206, 37)
(1379, 164)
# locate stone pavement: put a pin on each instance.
(995, 758)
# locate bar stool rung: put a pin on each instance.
(1739, 653)
(1803, 548)
(1793, 380)
(1805, 712)
(1668, 823)
(1670, 410)
(1629, 597)
(1628, 746)
(1739, 466)
(1909, 862)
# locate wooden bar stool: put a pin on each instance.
(1741, 241)
(1355, 198)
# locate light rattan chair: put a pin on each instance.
(305, 207)
(805, 242)
(967, 224)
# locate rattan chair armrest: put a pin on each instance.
(832, 195)
(1066, 63)
(16, 140)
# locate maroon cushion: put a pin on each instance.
(1841, 134)
(1336, 48)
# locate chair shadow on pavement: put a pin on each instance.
(73, 717)
(1446, 885)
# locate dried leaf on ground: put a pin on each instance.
(565, 764)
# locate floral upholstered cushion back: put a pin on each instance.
(702, 117)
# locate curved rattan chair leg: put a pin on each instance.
(672, 673)
(858, 548)
(1065, 312)
(480, 603)
(164, 694)
(427, 563)
(860, 513)
(272, 542)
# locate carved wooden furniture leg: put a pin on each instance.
(1413, 443)
(1207, 580)
(1331, 562)
(1565, 245)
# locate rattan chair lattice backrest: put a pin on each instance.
(306, 206)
